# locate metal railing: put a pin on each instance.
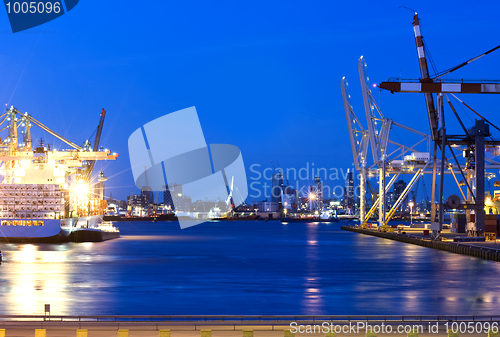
(255, 319)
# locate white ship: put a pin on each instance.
(45, 195)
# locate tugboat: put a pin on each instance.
(47, 195)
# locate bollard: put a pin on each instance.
(82, 333)
(40, 333)
(331, 334)
(247, 333)
(288, 333)
(165, 333)
(2, 332)
(206, 333)
(452, 334)
(123, 333)
(493, 334)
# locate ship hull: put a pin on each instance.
(89, 229)
(160, 217)
(61, 237)
(83, 229)
(92, 235)
(31, 231)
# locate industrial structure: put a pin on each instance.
(406, 160)
(50, 189)
(21, 165)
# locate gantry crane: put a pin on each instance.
(474, 139)
(13, 153)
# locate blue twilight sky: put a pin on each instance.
(263, 75)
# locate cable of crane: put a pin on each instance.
(458, 99)
(429, 57)
(446, 72)
(55, 134)
(43, 127)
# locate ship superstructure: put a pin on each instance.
(45, 192)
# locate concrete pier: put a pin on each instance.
(233, 329)
(484, 250)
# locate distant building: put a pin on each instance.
(276, 186)
(136, 200)
(317, 189)
(389, 199)
(399, 187)
(173, 196)
(148, 195)
(349, 192)
(288, 197)
(121, 203)
(98, 190)
(267, 206)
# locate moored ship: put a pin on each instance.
(46, 195)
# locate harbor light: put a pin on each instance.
(81, 189)
(411, 212)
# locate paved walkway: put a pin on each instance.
(25, 329)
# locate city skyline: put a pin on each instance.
(288, 64)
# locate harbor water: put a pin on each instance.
(244, 267)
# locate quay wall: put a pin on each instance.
(458, 248)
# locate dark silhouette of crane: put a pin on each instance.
(91, 163)
(474, 139)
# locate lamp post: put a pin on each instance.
(285, 208)
(411, 212)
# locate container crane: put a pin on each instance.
(473, 139)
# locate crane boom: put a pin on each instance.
(43, 127)
(455, 87)
(99, 131)
(95, 148)
(424, 71)
(446, 72)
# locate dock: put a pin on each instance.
(489, 250)
(235, 326)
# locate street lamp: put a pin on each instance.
(411, 212)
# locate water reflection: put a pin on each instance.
(35, 277)
(244, 268)
(312, 299)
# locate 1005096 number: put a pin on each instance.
(471, 327)
(33, 7)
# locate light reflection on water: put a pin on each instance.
(244, 268)
(38, 277)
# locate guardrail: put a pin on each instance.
(245, 318)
